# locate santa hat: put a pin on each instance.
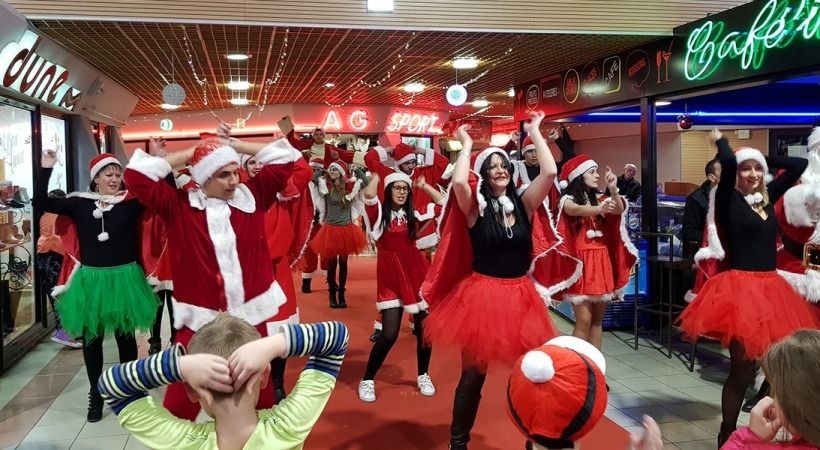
(528, 145)
(747, 153)
(341, 166)
(210, 157)
(101, 161)
(574, 168)
(403, 153)
(557, 392)
(397, 176)
(317, 163)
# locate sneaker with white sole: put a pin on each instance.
(62, 338)
(367, 391)
(426, 385)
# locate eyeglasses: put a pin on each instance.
(401, 188)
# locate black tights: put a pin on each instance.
(465, 404)
(164, 298)
(741, 375)
(93, 355)
(391, 324)
(341, 261)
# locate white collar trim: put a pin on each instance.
(242, 200)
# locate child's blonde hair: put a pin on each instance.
(222, 336)
(792, 367)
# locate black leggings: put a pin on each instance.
(391, 324)
(465, 404)
(741, 375)
(341, 261)
(164, 298)
(93, 355)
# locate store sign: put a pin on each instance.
(411, 122)
(357, 120)
(777, 25)
(30, 74)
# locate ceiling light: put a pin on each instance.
(481, 103)
(511, 92)
(380, 5)
(465, 63)
(237, 56)
(329, 85)
(662, 103)
(413, 88)
(238, 85)
(169, 107)
(239, 102)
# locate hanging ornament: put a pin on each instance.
(173, 94)
(456, 95)
(166, 124)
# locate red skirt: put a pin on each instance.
(490, 319)
(399, 276)
(756, 309)
(597, 282)
(339, 240)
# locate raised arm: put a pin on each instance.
(461, 176)
(371, 191)
(52, 205)
(793, 169)
(145, 177)
(278, 158)
(534, 195)
(617, 203)
(434, 193)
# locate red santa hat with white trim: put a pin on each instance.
(317, 163)
(100, 162)
(527, 146)
(208, 158)
(574, 168)
(341, 166)
(403, 153)
(557, 393)
(395, 177)
(748, 153)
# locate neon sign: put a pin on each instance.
(412, 122)
(30, 74)
(357, 120)
(777, 25)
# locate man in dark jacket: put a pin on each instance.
(628, 186)
(694, 212)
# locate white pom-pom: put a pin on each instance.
(537, 366)
(599, 233)
(590, 234)
(508, 205)
(97, 213)
(583, 347)
(768, 178)
(102, 237)
(563, 184)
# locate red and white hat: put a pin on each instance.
(210, 157)
(341, 166)
(100, 161)
(574, 168)
(317, 163)
(403, 153)
(397, 176)
(557, 392)
(747, 153)
(527, 145)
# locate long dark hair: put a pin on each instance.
(582, 195)
(489, 210)
(387, 207)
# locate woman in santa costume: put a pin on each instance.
(400, 270)
(749, 306)
(308, 262)
(106, 292)
(339, 236)
(594, 232)
(216, 235)
(480, 295)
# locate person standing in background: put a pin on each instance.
(694, 211)
(628, 186)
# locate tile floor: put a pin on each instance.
(686, 405)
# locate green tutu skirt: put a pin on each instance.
(102, 301)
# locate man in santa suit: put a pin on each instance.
(526, 169)
(315, 147)
(216, 235)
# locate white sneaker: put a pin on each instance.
(426, 386)
(367, 391)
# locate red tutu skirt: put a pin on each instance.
(755, 309)
(339, 240)
(490, 319)
(597, 282)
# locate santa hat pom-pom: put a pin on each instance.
(768, 178)
(590, 234)
(97, 213)
(537, 366)
(102, 237)
(563, 184)
(507, 204)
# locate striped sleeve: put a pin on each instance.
(324, 342)
(125, 383)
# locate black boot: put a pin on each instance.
(155, 346)
(331, 293)
(95, 406)
(465, 409)
(342, 301)
(723, 436)
(375, 335)
(764, 391)
(306, 286)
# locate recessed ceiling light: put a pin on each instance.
(329, 85)
(412, 88)
(465, 63)
(380, 5)
(481, 103)
(237, 56)
(511, 92)
(238, 85)
(239, 102)
(662, 103)
(169, 107)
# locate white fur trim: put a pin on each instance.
(374, 230)
(242, 200)
(527, 148)
(152, 167)
(318, 200)
(286, 198)
(548, 291)
(689, 296)
(407, 158)
(357, 186)
(223, 238)
(59, 289)
(415, 308)
(747, 153)
(278, 152)
(109, 200)
(581, 346)
(96, 168)
(714, 248)
(254, 311)
(388, 304)
(802, 205)
(274, 327)
(807, 284)
(377, 325)
(339, 167)
(486, 153)
(448, 172)
(217, 159)
(304, 248)
(577, 299)
(383, 155)
(563, 184)
(397, 176)
(581, 169)
(537, 366)
(322, 185)
(429, 157)
(428, 241)
(814, 140)
(160, 285)
(429, 213)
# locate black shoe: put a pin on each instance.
(95, 406)
(331, 295)
(723, 436)
(154, 348)
(279, 394)
(375, 335)
(306, 286)
(752, 402)
(342, 301)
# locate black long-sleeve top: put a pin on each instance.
(121, 224)
(751, 240)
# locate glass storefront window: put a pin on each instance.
(16, 246)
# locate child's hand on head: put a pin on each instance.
(764, 420)
(205, 373)
(249, 362)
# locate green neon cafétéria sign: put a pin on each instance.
(777, 25)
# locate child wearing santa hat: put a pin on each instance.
(339, 236)
(748, 306)
(106, 292)
(594, 232)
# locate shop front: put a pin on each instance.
(49, 100)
